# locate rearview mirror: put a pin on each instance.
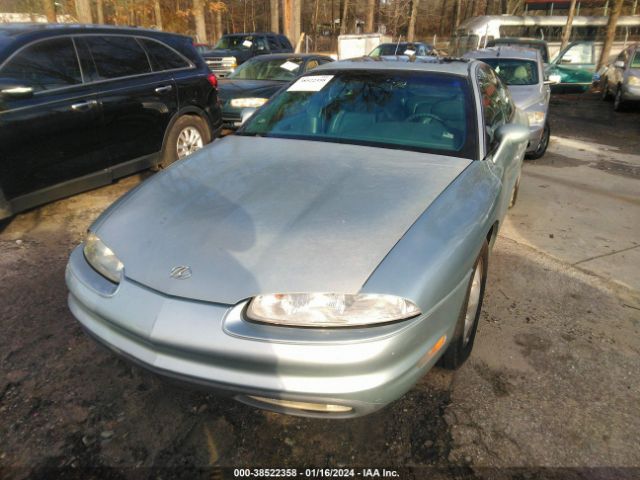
(16, 91)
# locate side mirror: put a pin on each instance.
(512, 133)
(618, 64)
(16, 91)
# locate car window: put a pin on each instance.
(635, 63)
(284, 41)
(162, 57)
(311, 64)
(260, 44)
(494, 110)
(235, 42)
(513, 71)
(578, 54)
(44, 65)
(273, 43)
(118, 56)
(421, 111)
(270, 69)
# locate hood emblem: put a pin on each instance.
(181, 272)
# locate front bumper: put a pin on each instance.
(535, 135)
(630, 93)
(221, 69)
(211, 345)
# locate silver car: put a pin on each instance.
(522, 69)
(323, 259)
(622, 79)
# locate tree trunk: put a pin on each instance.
(198, 13)
(611, 32)
(343, 18)
(297, 17)
(275, 16)
(566, 34)
(371, 10)
(412, 20)
(100, 9)
(50, 10)
(218, 16)
(458, 11)
(158, 14)
(83, 11)
(287, 7)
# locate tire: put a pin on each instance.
(190, 127)
(605, 95)
(618, 103)
(463, 338)
(542, 146)
(514, 193)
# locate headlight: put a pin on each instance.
(230, 61)
(535, 118)
(102, 259)
(635, 81)
(248, 102)
(330, 309)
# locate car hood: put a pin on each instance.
(230, 88)
(254, 215)
(525, 96)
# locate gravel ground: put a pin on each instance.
(551, 384)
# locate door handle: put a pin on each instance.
(84, 106)
(164, 89)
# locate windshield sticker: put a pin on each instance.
(312, 83)
(247, 43)
(409, 52)
(290, 66)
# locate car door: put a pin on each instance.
(498, 109)
(576, 64)
(138, 101)
(49, 134)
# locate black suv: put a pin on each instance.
(82, 105)
(235, 49)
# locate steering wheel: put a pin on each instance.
(422, 117)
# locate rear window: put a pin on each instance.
(162, 57)
(635, 63)
(273, 69)
(402, 110)
(118, 56)
(513, 71)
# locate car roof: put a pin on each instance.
(15, 29)
(242, 34)
(303, 56)
(505, 52)
(519, 40)
(453, 66)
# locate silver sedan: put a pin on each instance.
(323, 259)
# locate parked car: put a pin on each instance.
(621, 79)
(235, 49)
(402, 48)
(255, 81)
(325, 257)
(83, 105)
(571, 71)
(522, 42)
(522, 69)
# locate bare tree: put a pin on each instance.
(218, 18)
(371, 10)
(50, 10)
(157, 13)
(411, 32)
(83, 11)
(458, 12)
(275, 16)
(566, 33)
(611, 32)
(100, 11)
(198, 14)
(343, 19)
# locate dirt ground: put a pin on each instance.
(551, 390)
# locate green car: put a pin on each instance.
(573, 68)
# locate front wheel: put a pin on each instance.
(542, 145)
(187, 135)
(618, 103)
(467, 325)
(514, 193)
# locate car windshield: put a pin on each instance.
(635, 63)
(419, 111)
(513, 71)
(235, 42)
(388, 49)
(268, 69)
(533, 46)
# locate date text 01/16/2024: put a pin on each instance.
(314, 473)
